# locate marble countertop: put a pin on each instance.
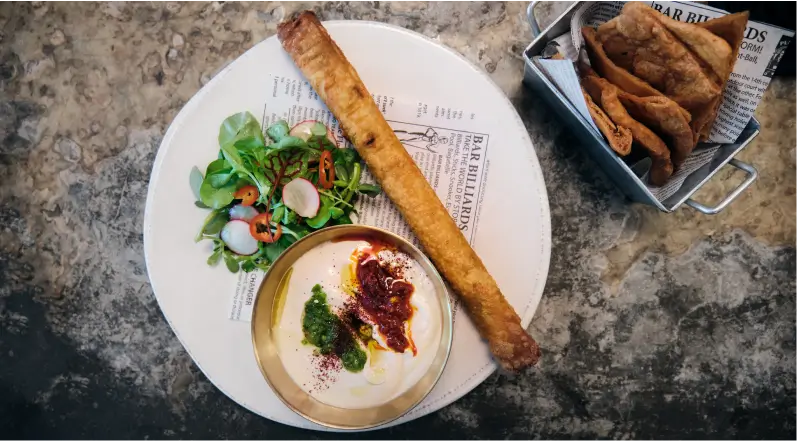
(652, 325)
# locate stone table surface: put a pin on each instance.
(651, 324)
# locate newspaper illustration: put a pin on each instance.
(428, 139)
(449, 145)
(760, 52)
(453, 161)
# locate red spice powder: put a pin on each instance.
(325, 371)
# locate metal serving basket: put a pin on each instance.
(592, 140)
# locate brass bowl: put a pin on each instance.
(274, 371)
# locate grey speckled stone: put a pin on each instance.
(652, 325)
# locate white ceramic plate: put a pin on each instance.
(513, 237)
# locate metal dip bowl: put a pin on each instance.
(275, 373)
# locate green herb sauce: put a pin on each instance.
(326, 331)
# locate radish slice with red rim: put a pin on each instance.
(236, 236)
(243, 212)
(305, 129)
(301, 196)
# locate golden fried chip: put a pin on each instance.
(730, 28)
(663, 115)
(619, 137)
(635, 40)
(704, 119)
(712, 49)
(607, 69)
(607, 94)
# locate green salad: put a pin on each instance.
(265, 192)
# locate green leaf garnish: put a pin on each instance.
(336, 212)
(247, 158)
(231, 263)
(213, 224)
(195, 180)
(214, 258)
(321, 218)
(369, 189)
(278, 130)
(239, 126)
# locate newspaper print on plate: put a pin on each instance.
(448, 144)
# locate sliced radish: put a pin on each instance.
(243, 212)
(237, 238)
(305, 129)
(301, 196)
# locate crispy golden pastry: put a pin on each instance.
(704, 119)
(619, 137)
(635, 40)
(339, 86)
(710, 48)
(730, 28)
(660, 112)
(615, 74)
(664, 116)
(607, 94)
(618, 76)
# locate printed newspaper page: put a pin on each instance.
(449, 145)
(760, 52)
(566, 78)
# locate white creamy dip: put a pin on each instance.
(386, 374)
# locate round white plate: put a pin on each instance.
(513, 239)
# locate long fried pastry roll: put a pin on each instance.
(337, 83)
